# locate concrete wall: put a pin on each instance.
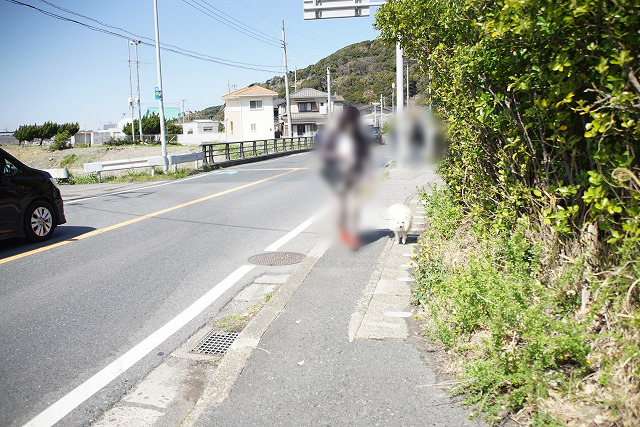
(197, 139)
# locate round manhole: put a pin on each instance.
(277, 258)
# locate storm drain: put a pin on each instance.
(273, 259)
(215, 343)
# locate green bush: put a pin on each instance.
(85, 178)
(61, 141)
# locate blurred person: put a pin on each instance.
(345, 153)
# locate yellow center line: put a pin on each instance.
(143, 217)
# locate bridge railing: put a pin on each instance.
(226, 151)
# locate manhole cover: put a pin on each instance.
(215, 343)
(277, 258)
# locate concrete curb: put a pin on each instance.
(358, 316)
(225, 375)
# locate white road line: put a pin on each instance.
(84, 391)
(293, 233)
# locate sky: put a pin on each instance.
(61, 71)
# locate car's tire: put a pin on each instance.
(39, 221)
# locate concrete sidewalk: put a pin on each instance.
(340, 352)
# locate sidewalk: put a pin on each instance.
(341, 352)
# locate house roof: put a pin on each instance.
(250, 91)
(309, 93)
(308, 116)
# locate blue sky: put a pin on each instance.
(60, 71)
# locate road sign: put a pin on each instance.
(158, 93)
(327, 9)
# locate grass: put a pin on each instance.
(132, 176)
(507, 307)
(69, 160)
(237, 321)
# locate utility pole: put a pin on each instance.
(402, 141)
(137, 42)
(286, 80)
(131, 107)
(183, 110)
(295, 79)
(407, 84)
(393, 90)
(430, 100)
(160, 95)
(381, 104)
(328, 93)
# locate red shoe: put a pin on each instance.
(350, 241)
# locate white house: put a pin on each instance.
(201, 131)
(308, 111)
(248, 114)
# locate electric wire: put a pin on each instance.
(138, 36)
(167, 48)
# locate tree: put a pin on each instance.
(71, 128)
(26, 133)
(47, 131)
(61, 140)
(151, 126)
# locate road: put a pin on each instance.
(124, 266)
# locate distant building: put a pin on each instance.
(170, 113)
(249, 114)
(201, 131)
(308, 111)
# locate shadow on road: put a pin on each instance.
(17, 246)
(372, 236)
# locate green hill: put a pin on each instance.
(359, 72)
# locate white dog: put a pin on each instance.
(401, 217)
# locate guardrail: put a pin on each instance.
(145, 162)
(60, 173)
(227, 151)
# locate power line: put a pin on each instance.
(216, 17)
(290, 30)
(240, 22)
(138, 36)
(176, 50)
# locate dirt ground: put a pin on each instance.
(43, 158)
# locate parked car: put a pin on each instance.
(30, 202)
(375, 133)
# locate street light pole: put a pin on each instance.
(131, 104)
(328, 93)
(286, 79)
(137, 42)
(163, 135)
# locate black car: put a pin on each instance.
(375, 133)
(30, 202)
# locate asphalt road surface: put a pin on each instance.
(127, 264)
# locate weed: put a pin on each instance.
(514, 328)
(68, 160)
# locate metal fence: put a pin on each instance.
(227, 151)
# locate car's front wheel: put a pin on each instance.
(39, 222)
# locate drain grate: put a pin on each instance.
(215, 343)
(277, 258)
